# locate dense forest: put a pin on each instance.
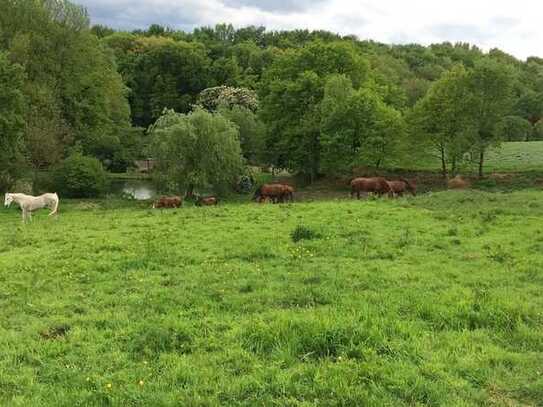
(312, 102)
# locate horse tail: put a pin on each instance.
(55, 206)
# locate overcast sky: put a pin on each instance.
(515, 27)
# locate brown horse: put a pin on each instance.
(377, 185)
(401, 186)
(206, 201)
(168, 202)
(274, 192)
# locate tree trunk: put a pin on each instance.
(453, 169)
(443, 163)
(190, 191)
(481, 162)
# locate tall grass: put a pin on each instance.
(430, 301)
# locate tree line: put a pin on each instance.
(312, 102)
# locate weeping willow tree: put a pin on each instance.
(195, 150)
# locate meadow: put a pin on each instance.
(427, 301)
(515, 156)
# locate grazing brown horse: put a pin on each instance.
(377, 185)
(168, 202)
(288, 194)
(401, 186)
(274, 192)
(206, 201)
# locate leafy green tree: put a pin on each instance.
(12, 111)
(530, 105)
(252, 131)
(291, 92)
(515, 128)
(442, 121)
(195, 150)
(71, 82)
(168, 74)
(490, 86)
(357, 127)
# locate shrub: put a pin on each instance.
(303, 233)
(245, 184)
(80, 176)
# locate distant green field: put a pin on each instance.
(517, 156)
(510, 157)
(427, 301)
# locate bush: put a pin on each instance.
(80, 176)
(245, 184)
(303, 233)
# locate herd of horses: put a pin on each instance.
(275, 193)
(177, 201)
(375, 185)
(381, 186)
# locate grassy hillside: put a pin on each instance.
(428, 301)
(517, 156)
(510, 157)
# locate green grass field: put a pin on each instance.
(427, 301)
(509, 157)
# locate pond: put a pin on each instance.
(140, 189)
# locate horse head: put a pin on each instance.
(411, 186)
(258, 193)
(8, 199)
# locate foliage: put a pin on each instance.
(212, 98)
(291, 92)
(84, 86)
(490, 87)
(357, 127)
(73, 89)
(245, 184)
(195, 150)
(442, 120)
(80, 176)
(515, 128)
(252, 131)
(12, 110)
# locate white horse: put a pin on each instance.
(29, 203)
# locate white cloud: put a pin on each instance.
(513, 27)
